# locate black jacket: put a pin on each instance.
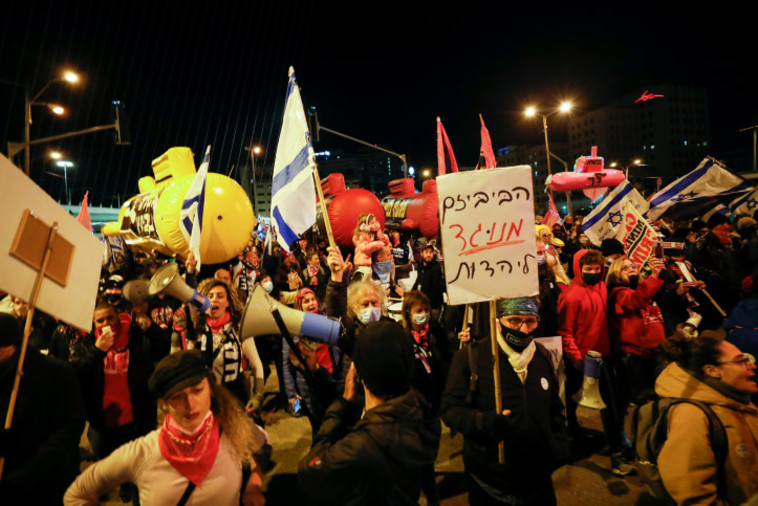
(375, 460)
(534, 434)
(431, 282)
(41, 448)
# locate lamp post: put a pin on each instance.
(69, 77)
(531, 112)
(65, 165)
(255, 150)
(634, 163)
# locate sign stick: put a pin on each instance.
(465, 324)
(27, 330)
(496, 374)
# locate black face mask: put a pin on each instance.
(591, 279)
(113, 298)
(634, 281)
(515, 338)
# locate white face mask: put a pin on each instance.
(268, 286)
(420, 318)
(369, 315)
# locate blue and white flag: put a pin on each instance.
(191, 218)
(293, 194)
(745, 204)
(604, 222)
(697, 191)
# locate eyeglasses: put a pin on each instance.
(515, 322)
(627, 268)
(746, 360)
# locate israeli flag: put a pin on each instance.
(745, 204)
(607, 218)
(293, 195)
(191, 217)
(698, 190)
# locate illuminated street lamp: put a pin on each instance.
(637, 162)
(531, 112)
(255, 150)
(69, 77)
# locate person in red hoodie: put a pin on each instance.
(636, 327)
(583, 326)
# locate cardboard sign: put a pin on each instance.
(638, 237)
(72, 303)
(488, 238)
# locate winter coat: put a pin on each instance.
(636, 325)
(41, 448)
(430, 281)
(378, 459)
(686, 462)
(534, 434)
(582, 321)
(742, 329)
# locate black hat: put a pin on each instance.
(611, 247)
(177, 371)
(10, 332)
(383, 357)
(717, 219)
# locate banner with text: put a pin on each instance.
(488, 238)
(637, 236)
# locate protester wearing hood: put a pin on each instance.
(531, 426)
(742, 323)
(41, 447)
(715, 372)
(583, 326)
(377, 440)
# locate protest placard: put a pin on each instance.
(637, 236)
(487, 230)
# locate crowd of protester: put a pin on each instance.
(174, 398)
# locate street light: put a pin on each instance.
(65, 165)
(531, 112)
(69, 77)
(637, 162)
(255, 150)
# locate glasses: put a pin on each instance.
(745, 360)
(627, 268)
(515, 322)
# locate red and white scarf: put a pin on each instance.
(192, 454)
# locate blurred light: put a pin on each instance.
(411, 171)
(637, 161)
(566, 107)
(531, 111)
(55, 155)
(426, 173)
(71, 77)
(57, 109)
(65, 164)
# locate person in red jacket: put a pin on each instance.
(583, 326)
(636, 328)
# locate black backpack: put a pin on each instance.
(649, 433)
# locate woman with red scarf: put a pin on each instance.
(204, 450)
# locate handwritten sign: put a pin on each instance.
(488, 239)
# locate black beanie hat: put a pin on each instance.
(611, 246)
(178, 371)
(10, 333)
(383, 358)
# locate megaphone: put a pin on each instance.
(257, 320)
(136, 291)
(590, 392)
(167, 279)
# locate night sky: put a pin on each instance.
(193, 74)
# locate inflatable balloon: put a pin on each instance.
(410, 210)
(150, 221)
(345, 206)
(589, 175)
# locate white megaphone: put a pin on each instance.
(257, 320)
(136, 291)
(167, 279)
(590, 393)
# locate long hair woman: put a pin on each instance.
(715, 372)
(204, 449)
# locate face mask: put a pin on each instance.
(420, 318)
(515, 338)
(268, 286)
(541, 259)
(591, 279)
(634, 281)
(369, 315)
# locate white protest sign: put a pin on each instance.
(73, 303)
(488, 238)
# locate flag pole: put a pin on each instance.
(496, 374)
(322, 204)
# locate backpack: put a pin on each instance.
(649, 433)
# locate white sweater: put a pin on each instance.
(141, 462)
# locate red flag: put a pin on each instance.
(444, 151)
(551, 216)
(486, 150)
(84, 217)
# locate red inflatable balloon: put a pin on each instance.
(345, 209)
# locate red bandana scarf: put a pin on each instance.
(217, 325)
(192, 455)
(421, 336)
